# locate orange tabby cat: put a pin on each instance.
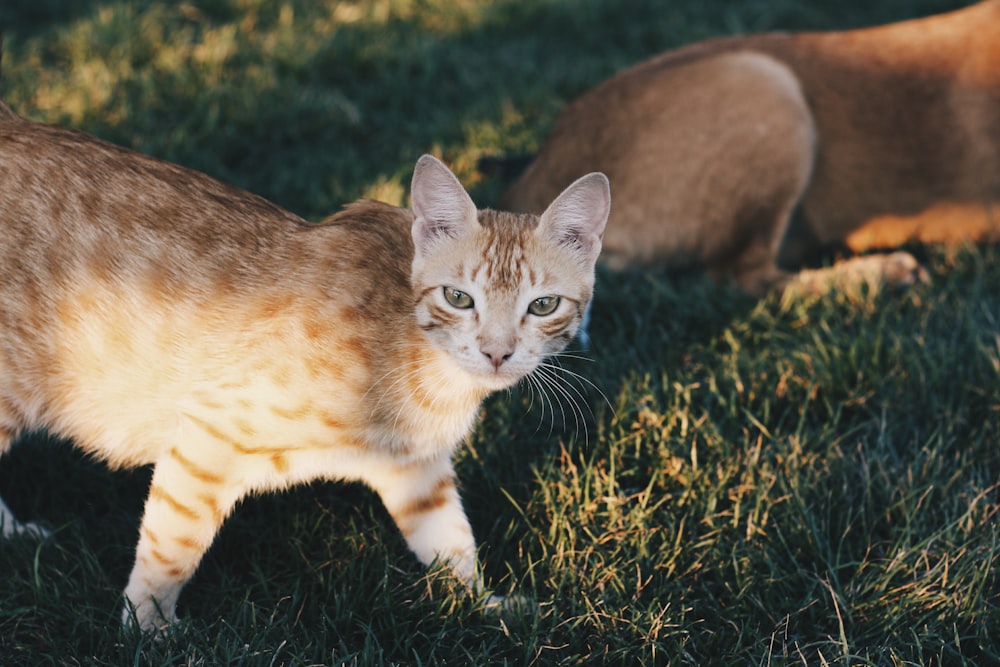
(749, 155)
(156, 316)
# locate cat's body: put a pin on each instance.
(750, 155)
(156, 316)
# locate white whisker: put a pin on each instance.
(582, 379)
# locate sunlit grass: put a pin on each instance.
(750, 482)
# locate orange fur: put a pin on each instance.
(156, 316)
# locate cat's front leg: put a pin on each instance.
(187, 504)
(423, 501)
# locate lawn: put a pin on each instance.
(720, 480)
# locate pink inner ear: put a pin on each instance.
(578, 216)
(439, 200)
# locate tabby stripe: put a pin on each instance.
(149, 535)
(156, 492)
(222, 437)
(279, 462)
(174, 570)
(194, 469)
(550, 327)
(247, 449)
(165, 560)
(214, 432)
(438, 497)
(187, 542)
(209, 403)
(244, 427)
(357, 345)
(293, 414)
(333, 422)
(213, 505)
(441, 315)
(422, 396)
(226, 386)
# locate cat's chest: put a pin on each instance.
(424, 409)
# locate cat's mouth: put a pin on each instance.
(499, 376)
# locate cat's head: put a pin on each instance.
(501, 291)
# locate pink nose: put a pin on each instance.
(497, 354)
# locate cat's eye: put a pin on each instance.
(544, 305)
(457, 298)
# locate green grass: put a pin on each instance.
(813, 483)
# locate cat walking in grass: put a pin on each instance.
(158, 317)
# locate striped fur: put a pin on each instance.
(158, 317)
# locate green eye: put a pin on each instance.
(544, 305)
(457, 298)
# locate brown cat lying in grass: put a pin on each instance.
(750, 156)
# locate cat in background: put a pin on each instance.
(753, 156)
(156, 316)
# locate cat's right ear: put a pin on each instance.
(441, 206)
(577, 217)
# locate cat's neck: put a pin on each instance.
(427, 396)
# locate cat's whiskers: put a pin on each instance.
(581, 378)
(557, 384)
(553, 389)
(532, 387)
(534, 384)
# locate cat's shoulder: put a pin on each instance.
(374, 218)
(376, 231)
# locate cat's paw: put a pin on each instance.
(148, 618)
(510, 606)
(901, 269)
(872, 272)
(30, 529)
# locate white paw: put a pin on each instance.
(30, 529)
(510, 605)
(901, 269)
(148, 617)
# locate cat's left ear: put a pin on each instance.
(577, 217)
(441, 206)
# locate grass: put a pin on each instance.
(755, 483)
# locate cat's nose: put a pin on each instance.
(497, 354)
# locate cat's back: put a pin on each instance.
(68, 199)
(128, 283)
